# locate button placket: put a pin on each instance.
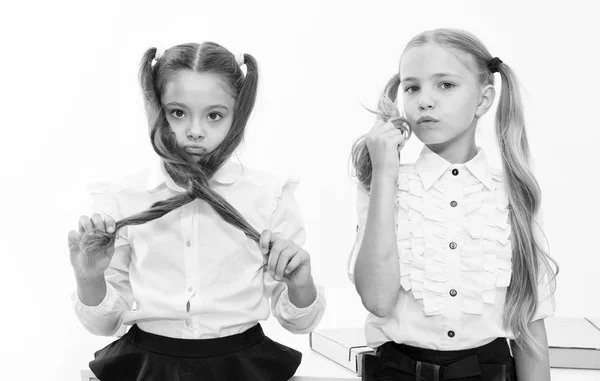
(454, 234)
(189, 254)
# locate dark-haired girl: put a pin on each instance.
(173, 251)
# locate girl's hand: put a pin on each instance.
(384, 142)
(90, 265)
(287, 261)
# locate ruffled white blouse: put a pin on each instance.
(190, 274)
(454, 252)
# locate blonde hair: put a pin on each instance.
(529, 260)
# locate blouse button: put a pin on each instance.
(188, 243)
(190, 289)
(455, 172)
(450, 333)
(453, 204)
(453, 292)
(453, 245)
(188, 323)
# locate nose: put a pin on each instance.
(426, 101)
(196, 129)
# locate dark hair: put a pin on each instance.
(207, 57)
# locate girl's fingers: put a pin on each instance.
(265, 239)
(84, 224)
(395, 140)
(384, 127)
(74, 239)
(293, 263)
(110, 224)
(284, 259)
(274, 257)
(380, 126)
(393, 133)
(98, 222)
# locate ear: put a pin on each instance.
(486, 99)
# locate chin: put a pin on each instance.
(430, 137)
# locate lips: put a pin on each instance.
(195, 150)
(427, 120)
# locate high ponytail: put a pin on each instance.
(146, 80)
(246, 87)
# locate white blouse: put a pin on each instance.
(193, 256)
(454, 252)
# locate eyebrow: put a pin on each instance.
(218, 105)
(436, 75)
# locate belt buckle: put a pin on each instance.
(425, 371)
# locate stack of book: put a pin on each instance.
(573, 343)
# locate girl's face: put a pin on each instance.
(199, 110)
(442, 97)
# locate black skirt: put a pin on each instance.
(399, 362)
(248, 356)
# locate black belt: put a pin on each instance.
(424, 371)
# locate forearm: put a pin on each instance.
(303, 295)
(91, 291)
(377, 270)
(532, 367)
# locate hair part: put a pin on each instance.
(207, 57)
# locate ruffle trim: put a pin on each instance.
(485, 254)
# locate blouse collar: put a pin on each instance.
(430, 167)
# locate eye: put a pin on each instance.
(178, 114)
(214, 116)
(447, 85)
(411, 89)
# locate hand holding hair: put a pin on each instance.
(387, 112)
(384, 143)
(94, 232)
(286, 261)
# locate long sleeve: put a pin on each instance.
(287, 221)
(106, 318)
(362, 208)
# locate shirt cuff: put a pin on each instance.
(300, 319)
(105, 307)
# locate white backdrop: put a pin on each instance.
(72, 114)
